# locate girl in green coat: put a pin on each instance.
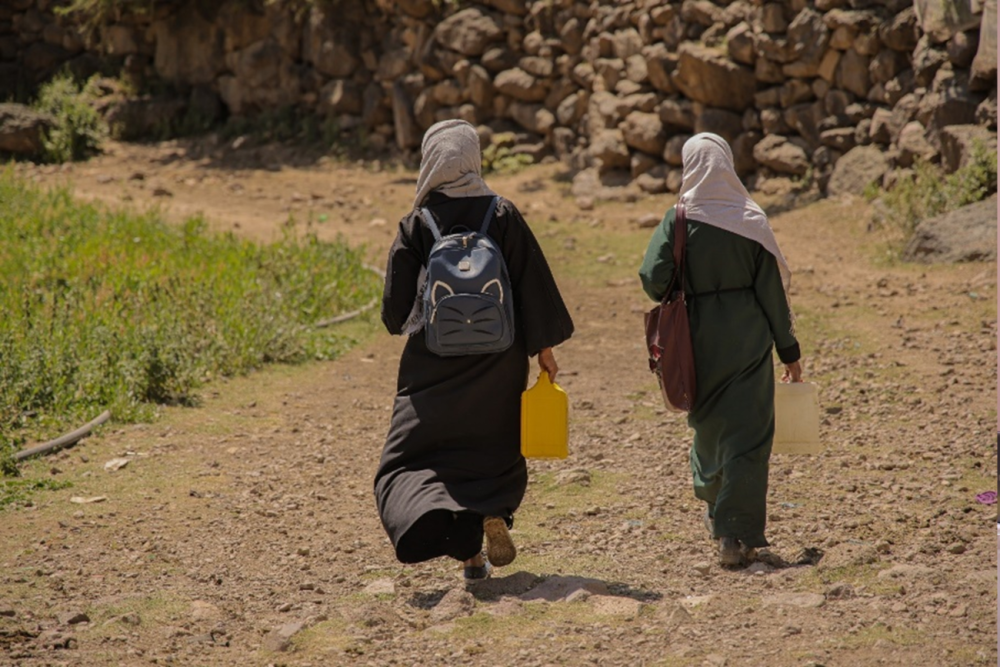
(737, 283)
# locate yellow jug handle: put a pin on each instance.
(543, 378)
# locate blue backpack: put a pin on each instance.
(468, 306)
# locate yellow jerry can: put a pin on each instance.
(796, 418)
(545, 420)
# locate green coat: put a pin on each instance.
(738, 313)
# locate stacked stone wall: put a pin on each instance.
(611, 88)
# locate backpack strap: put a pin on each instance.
(489, 216)
(429, 222)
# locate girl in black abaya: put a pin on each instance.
(451, 472)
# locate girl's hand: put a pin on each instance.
(793, 372)
(547, 362)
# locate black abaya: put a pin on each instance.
(453, 449)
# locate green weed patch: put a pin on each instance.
(928, 192)
(18, 492)
(119, 310)
(78, 130)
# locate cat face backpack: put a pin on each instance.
(467, 301)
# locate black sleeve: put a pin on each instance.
(542, 314)
(402, 274)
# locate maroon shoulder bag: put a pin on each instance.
(668, 334)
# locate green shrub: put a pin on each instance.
(78, 129)
(498, 158)
(118, 310)
(928, 192)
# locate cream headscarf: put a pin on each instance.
(713, 194)
(451, 162)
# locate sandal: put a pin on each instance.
(500, 549)
(730, 552)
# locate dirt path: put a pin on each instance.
(244, 532)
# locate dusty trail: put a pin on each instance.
(244, 531)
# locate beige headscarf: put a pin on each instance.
(451, 162)
(713, 194)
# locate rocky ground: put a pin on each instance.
(243, 532)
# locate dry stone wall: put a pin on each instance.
(611, 88)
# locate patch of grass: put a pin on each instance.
(18, 492)
(119, 310)
(331, 637)
(78, 130)
(929, 192)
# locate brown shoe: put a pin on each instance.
(500, 549)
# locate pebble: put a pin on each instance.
(801, 600)
(73, 618)
(380, 587)
(455, 603)
(115, 464)
(703, 568)
(649, 220)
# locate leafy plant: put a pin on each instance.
(117, 310)
(928, 192)
(78, 130)
(93, 13)
(498, 158)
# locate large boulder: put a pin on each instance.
(726, 124)
(959, 141)
(330, 45)
(660, 66)
(900, 33)
(706, 75)
(22, 129)
(417, 8)
(608, 147)
(948, 103)
(968, 234)
(644, 132)
(190, 49)
(912, 145)
(941, 19)
(782, 155)
(984, 66)
(469, 32)
(740, 43)
(852, 73)
(264, 77)
(532, 117)
(856, 170)
(809, 38)
(520, 85)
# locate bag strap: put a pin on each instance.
(680, 243)
(429, 222)
(489, 216)
(432, 225)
